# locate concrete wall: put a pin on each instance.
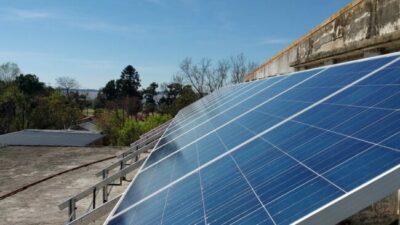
(363, 28)
(383, 212)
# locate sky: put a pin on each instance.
(93, 40)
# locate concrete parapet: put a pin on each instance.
(363, 28)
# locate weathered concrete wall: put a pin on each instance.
(363, 28)
(383, 212)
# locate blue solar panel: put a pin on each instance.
(297, 143)
(212, 100)
(207, 107)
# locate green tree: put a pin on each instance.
(11, 106)
(56, 111)
(29, 84)
(176, 97)
(110, 91)
(185, 98)
(130, 82)
(149, 94)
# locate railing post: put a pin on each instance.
(105, 188)
(71, 211)
(94, 197)
(137, 155)
(122, 166)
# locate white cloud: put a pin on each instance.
(24, 14)
(73, 21)
(274, 41)
(102, 26)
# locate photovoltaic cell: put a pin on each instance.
(291, 148)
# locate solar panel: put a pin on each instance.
(289, 149)
(210, 101)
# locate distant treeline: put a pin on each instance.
(123, 110)
(25, 102)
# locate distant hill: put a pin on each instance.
(90, 93)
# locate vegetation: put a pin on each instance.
(25, 102)
(67, 83)
(122, 110)
(205, 77)
(123, 131)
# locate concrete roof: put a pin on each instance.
(50, 138)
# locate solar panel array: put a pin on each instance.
(271, 151)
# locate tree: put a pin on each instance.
(220, 75)
(11, 101)
(195, 76)
(149, 94)
(7, 115)
(130, 82)
(176, 97)
(55, 112)
(128, 90)
(185, 98)
(205, 77)
(29, 84)
(122, 93)
(178, 78)
(9, 71)
(240, 67)
(31, 88)
(110, 90)
(67, 83)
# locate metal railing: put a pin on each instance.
(128, 162)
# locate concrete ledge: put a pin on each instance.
(360, 26)
(390, 41)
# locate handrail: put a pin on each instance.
(97, 212)
(152, 132)
(146, 142)
(131, 150)
(126, 158)
(102, 183)
(163, 126)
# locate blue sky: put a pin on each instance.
(92, 41)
